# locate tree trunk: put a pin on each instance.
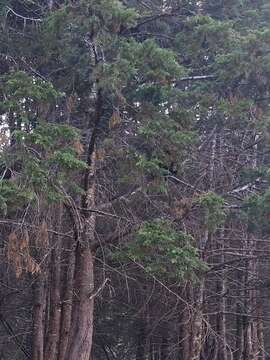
(164, 349)
(81, 331)
(53, 332)
(66, 305)
(141, 340)
(55, 309)
(185, 328)
(239, 340)
(197, 326)
(222, 353)
(38, 319)
(261, 335)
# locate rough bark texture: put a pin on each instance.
(38, 319)
(81, 330)
(80, 337)
(197, 327)
(53, 331)
(55, 309)
(66, 306)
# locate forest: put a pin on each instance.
(134, 179)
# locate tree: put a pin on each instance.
(131, 134)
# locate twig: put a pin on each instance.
(21, 16)
(99, 289)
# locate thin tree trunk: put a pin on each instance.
(185, 328)
(239, 338)
(141, 341)
(197, 325)
(53, 331)
(66, 310)
(164, 349)
(222, 354)
(184, 337)
(38, 319)
(261, 335)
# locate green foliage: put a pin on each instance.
(19, 87)
(213, 208)
(54, 150)
(164, 251)
(151, 167)
(152, 62)
(46, 155)
(13, 196)
(251, 174)
(67, 159)
(256, 212)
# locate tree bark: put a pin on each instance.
(81, 331)
(66, 310)
(261, 335)
(141, 340)
(55, 309)
(197, 326)
(80, 336)
(53, 332)
(38, 319)
(222, 353)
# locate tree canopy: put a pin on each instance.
(134, 179)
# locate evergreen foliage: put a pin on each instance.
(129, 131)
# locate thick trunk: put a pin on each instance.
(185, 328)
(80, 336)
(197, 326)
(38, 319)
(52, 338)
(81, 329)
(66, 305)
(52, 334)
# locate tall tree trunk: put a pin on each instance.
(66, 310)
(38, 318)
(81, 331)
(222, 353)
(260, 330)
(185, 327)
(197, 326)
(80, 336)
(239, 338)
(53, 332)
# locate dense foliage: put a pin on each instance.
(134, 179)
